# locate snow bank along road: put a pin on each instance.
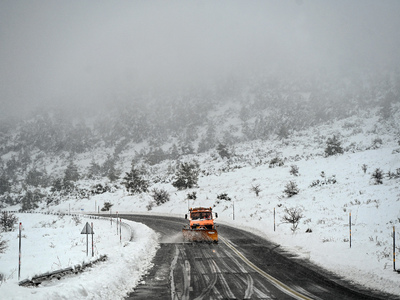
(241, 266)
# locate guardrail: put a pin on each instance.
(38, 279)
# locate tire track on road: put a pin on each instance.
(275, 282)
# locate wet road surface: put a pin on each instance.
(240, 266)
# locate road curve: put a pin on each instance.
(240, 266)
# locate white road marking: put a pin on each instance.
(278, 284)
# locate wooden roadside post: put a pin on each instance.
(19, 256)
(394, 249)
(350, 227)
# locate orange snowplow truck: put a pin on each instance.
(201, 226)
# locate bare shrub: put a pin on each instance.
(292, 216)
(294, 170)
(150, 205)
(364, 168)
(394, 175)
(76, 219)
(256, 189)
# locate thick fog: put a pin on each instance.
(72, 52)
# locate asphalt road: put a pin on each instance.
(240, 266)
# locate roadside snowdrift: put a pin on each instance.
(51, 242)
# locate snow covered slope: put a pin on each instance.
(330, 188)
(52, 242)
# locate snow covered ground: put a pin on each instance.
(374, 209)
(322, 236)
(325, 206)
(51, 242)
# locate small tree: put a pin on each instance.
(57, 185)
(283, 132)
(71, 173)
(135, 182)
(377, 176)
(291, 189)
(7, 221)
(5, 186)
(294, 170)
(187, 176)
(333, 146)
(222, 151)
(292, 216)
(112, 174)
(36, 178)
(94, 169)
(30, 199)
(160, 196)
(256, 189)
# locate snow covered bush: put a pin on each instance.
(223, 151)
(223, 196)
(31, 199)
(276, 162)
(191, 196)
(333, 146)
(3, 247)
(100, 189)
(377, 176)
(291, 189)
(324, 181)
(7, 221)
(107, 206)
(376, 143)
(160, 196)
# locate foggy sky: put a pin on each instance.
(69, 52)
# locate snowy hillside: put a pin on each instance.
(330, 188)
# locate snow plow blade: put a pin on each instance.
(200, 235)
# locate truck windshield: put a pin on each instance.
(201, 215)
